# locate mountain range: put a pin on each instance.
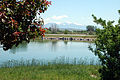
(68, 26)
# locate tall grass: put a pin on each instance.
(57, 69)
(57, 61)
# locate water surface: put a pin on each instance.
(47, 50)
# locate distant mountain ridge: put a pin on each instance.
(68, 26)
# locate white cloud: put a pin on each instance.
(77, 23)
(68, 22)
(59, 17)
(72, 23)
(55, 19)
(58, 22)
(48, 19)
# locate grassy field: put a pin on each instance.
(51, 72)
(56, 70)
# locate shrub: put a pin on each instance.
(107, 48)
(16, 18)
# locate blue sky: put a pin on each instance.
(80, 11)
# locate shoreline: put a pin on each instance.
(70, 37)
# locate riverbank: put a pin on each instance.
(51, 72)
(75, 37)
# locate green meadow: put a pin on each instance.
(56, 70)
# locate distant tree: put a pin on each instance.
(16, 18)
(90, 29)
(107, 48)
(54, 28)
(66, 31)
(49, 28)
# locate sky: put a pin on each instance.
(80, 11)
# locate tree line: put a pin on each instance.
(54, 29)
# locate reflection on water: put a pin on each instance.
(20, 48)
(65, 42)
(23, 46)
(54, 45)
(47, 50)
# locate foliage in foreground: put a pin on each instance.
(108, 48)
(16, 17)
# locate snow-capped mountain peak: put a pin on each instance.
(67, 26)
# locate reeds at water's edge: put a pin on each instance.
(57, 61)
(57, 69)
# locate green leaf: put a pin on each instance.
(119, 11)
(119, 21)
(94, 17)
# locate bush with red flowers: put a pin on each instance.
(16, 21)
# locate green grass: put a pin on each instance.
(51, 72)
(59, 69)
